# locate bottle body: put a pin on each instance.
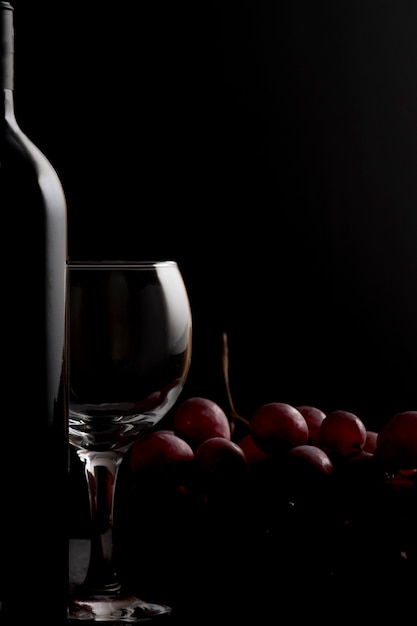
(34, 467)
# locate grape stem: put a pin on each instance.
(234, 415)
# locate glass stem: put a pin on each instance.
(101, 470)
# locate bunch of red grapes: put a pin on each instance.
(281, 509)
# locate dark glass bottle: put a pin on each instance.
(33, 413)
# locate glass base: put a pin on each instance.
(114, 610)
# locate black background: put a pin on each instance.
(271, 149)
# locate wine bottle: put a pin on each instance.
(33, 414)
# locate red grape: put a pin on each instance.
(357, 480)
(397, 442)
(197, 419)
(160, 457)
(220, 465)
(277, 427)
(370, 442)
(307, 470)
(314, 417)
(252, 452)
(342, 434)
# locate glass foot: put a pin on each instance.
(114, 610)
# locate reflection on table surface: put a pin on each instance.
(247, 584)
(79, 553)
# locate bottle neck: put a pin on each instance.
(6, 60)
(6, 46)
(7, 105)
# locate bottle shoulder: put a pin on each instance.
(25, 165)
(16, 143)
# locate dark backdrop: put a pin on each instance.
(271, 149)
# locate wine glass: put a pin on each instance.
(129, 354)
